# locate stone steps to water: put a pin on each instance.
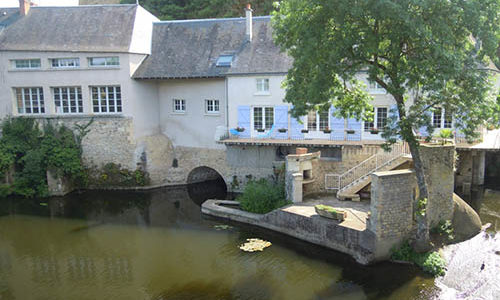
(350, 192)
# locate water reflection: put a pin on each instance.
(157, 245)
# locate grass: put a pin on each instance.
(430, 262)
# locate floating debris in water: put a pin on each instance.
(43, 204)
(253, 245)
(222, 227)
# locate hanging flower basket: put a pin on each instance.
(350, 131)
(282, 130)
(240, 129)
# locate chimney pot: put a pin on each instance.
(249, 21)
(24, 7)
(249, 6)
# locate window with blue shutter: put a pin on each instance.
(244, 120)
(337, 127)
(281, 121)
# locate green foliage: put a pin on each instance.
(421, 207)
(446, 134)
(430, 262)
(112, 174)
(326, 208)
(262, 196)
(33, 151)
(444, 228)
(201, 9)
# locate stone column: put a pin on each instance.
(478, 165)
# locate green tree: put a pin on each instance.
(425, 53)
(201, 9)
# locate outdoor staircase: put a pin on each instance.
(354, 180)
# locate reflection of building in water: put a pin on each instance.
(81, 268)
(118, 269)
(5, 262)
(45, 268)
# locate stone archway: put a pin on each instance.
(206, 183)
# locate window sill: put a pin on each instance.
(212, 114)
(72, 116)
(64, 69)
(178, 113)
(262, 94)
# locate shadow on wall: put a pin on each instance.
(206, 183)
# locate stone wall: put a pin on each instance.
(391, 207)
(438, 164)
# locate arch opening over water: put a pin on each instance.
(206, 183)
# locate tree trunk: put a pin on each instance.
(422, 242)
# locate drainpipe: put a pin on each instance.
(227, 102)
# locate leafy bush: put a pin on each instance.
(262, 196)
(112, 174)
(444, 228)
(430, 262)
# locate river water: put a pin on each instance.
(157, 245)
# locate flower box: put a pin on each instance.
(240, 129)
(350, 131)
(374, 131)
(304, 131)
(261, 130)
(328, 130)
(282, 130)
(330, 212)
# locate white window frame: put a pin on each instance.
(212, 106)
(375, 88)
(375, 119)
(264, 109)
(442, 122)
(108, 62)
(117, 104)
(30, 64)
(262, 86)
(179, 106)
(29, 95)
(68, 91)
(65, 63)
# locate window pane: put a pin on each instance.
(370, 125)
(448, 119)
(311, 121)
(269, 117)
(30, 100)
(436, 118)
(257, 118)
(381, 118)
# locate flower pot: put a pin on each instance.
(374, 131)
(330, 212)
(350, 131)
(282, 130)
(304, 131)
(240, 129)
(261, 130)
(327, 131)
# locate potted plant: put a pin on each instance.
(330, 212)
(304, 131)
(350, 131)
(327, 130)
(261, 130)
(282, 130)
(240, 129)
(373, 130)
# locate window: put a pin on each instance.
(104, 61)
(65, 62)
(27, 64)
(263, 85)
(374, 87)
(380, 118)
(212, 106)
(224, 61)
(448, 120)
(30, 100)
(179, 105)
(317, 121)
(437, 117)
(68, 100)
(263, 118)
(106, 99)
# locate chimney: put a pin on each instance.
(24, 7)
(248, 17)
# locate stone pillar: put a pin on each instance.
(438, 161)
(478, 167)
(391, 208)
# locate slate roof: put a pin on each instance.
(7, 17)
(102, 28)
(190, 48)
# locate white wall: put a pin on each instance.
(139, 99)
(143, 31)
(194, 128)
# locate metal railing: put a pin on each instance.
(365, 168)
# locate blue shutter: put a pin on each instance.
(394, 114)
(244, 120)
(353, 124)
(296, 128)
(281, 121)
(337, 127)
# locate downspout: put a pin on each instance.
(227, 103)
